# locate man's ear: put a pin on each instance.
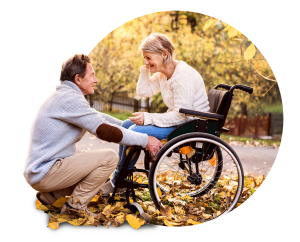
(77, 79)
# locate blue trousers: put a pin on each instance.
(157, 132)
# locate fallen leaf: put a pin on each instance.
(171, 223)
(166, 211)
(40, 206)
(134, 221)
(158, 192)
(60, 202)
(190, 221)
(77, 222)
(53, 225)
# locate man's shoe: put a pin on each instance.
(46, 198)
(69, 210)
(108, 188)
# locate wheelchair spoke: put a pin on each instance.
(214, 171)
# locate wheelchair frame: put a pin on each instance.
(204, 123)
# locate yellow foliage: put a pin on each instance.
(53, 225)
(212, 161)
(77, 222)
(190, 221)
(40, 206)
(250, 52)
(166, 211)
(171, 223)
(185, 150)
(95, 199)
(158, 192)
(60, 202)
(134, 221)
(232, 32)
(210, 23)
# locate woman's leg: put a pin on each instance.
(126, 124)
(157, 132)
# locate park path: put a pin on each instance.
(258, 160)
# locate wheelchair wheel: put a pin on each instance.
(192, 164)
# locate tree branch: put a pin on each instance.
(224, 62)
(260, 73)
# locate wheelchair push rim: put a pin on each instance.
(202, 138)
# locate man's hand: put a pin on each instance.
(139, 119)
(153, 145)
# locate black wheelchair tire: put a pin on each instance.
(219, 142)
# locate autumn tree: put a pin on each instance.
(220, 53)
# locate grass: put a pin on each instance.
(273, 108)
(121, 116)
(245, 140)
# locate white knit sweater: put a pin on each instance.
(185, 89)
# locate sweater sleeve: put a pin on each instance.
(147, 86)
(183, 98)
(78, 112)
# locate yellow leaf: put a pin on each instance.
(185, 150)
(227, 27)
(164, 141)
(95, 199)
(158, 192)
(93, 209)
(77, 222)
(53, 225)
(106, 210)
(212, 161)
(250, 52)
(210, 23)
(190, 221)
(171, 223)
(62, 217)
(40, 206)
(166, 211)
(134, 221)
(232, 32)
(60, 202)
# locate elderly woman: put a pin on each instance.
(181, 86)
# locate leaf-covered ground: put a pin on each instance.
(179, 211)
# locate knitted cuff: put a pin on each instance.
(147, 118)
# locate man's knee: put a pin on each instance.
(112, 156)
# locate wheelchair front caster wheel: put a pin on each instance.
(146, 217)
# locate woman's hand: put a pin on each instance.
(139, 119)
(145, 66)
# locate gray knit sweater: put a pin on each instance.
(60, 122)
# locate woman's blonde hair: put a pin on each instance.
(158, 43)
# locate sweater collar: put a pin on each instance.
(67, 85)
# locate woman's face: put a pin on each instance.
(154, 61)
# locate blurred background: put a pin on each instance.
(219, 52)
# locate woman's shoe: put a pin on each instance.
(108, 188)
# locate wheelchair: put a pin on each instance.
(192, 161)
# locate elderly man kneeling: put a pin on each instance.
(51, 167)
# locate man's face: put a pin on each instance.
(88, 82)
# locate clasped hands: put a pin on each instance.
(154, 144)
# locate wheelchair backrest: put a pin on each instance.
(219, 102)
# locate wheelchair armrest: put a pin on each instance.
(202, 115)
(224, 130)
